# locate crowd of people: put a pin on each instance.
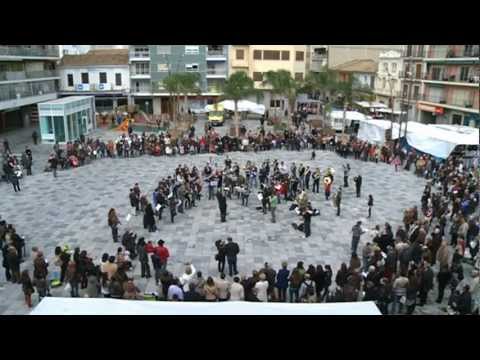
(395, 270)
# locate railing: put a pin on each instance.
(454, 101)
(140, 54)
(413, 75)
(472, 52)
(134, 73)
(144, 89)
(214, 89)
(23, 90)
(217, 72)
(216, 53)
(35, 50)
(23, 75)
(413, 52)
(452, 78)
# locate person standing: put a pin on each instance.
(327, 183)
(223, 288)
(282, 282)
(27, 287)
(443, 277)
(346, 171)
(53, 164)
(15, 182)
(261, 287)
(163, 254)
(143, 258)
(316, 180)
(220, 256)
(6, 147)
(357, 231)
(35, 137)
(370, 205)
(338, 200)
(149, 218)
(426, 283)
(273, 206)
(113, 222)
(222, 205)
(308, 174)
(231, 250)
(307, 217)
(358, 184)
(237, 293)
(134, 201)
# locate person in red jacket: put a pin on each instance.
(150, 248)
(162, 253)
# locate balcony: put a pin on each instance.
(455, 102)
(139, 74)
(24, 75)
(144, 89)
(21, 94)
(94, 87)
(216, 73)
(48, 51)
(412, 76)
(139, 55)
(413, 51)
(472, 51)
(214, 54)
(453, 79)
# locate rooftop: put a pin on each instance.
(66, 100)
(97, 57)
(361, 66)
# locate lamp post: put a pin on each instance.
(389, 78)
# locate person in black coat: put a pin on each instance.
(231, 251)
(5, 262)
(220, 256)
(143, 258)
(222, 205)
(358, 184)
(149, 218)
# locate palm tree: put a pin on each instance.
(237, 87)
(189, 85)
(322, 82)
(283, 84)
(172, 84)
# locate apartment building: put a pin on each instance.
(339, 54)
(451, 85)
(318, 58)
(104, 74)
(256, 60)
(27, 76)
(388, 84)
(151, 64)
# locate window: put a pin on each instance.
(142, 68)
(118, 79)
(257, 54)
(191, 67)
(240, 54)
(436, 73)
(464, 70)
(162, 67)
(405, 91)
(257, 76)
(299, 76)
(456, 119)
(103, 77)
(299, 55)
(274, 103)
(271, 55)
(416, 92)
(84, 78)
(394, 67)
(192, 49)
(69, 80)
(384, 83)
(385, 67)
(164, 49)
(285, 55)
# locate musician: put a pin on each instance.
(327, 184)
(358, 184)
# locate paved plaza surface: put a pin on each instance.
(72, 209)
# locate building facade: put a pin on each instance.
(388, 84)
(104, 74)
(451, 85)
(256, 60)
(28, 76)
(151, 64)
(339, 54)
(318, 58)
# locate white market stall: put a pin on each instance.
(337, 121)
(243, 106)
(373, 131)
(440, 140)
(102, 306)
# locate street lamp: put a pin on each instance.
(389, 78)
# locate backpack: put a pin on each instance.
(310, 290)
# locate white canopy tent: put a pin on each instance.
(102, 306)
(243, 106)
(373, 105)
(373, 131)
(440, 140)
(337, 120)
